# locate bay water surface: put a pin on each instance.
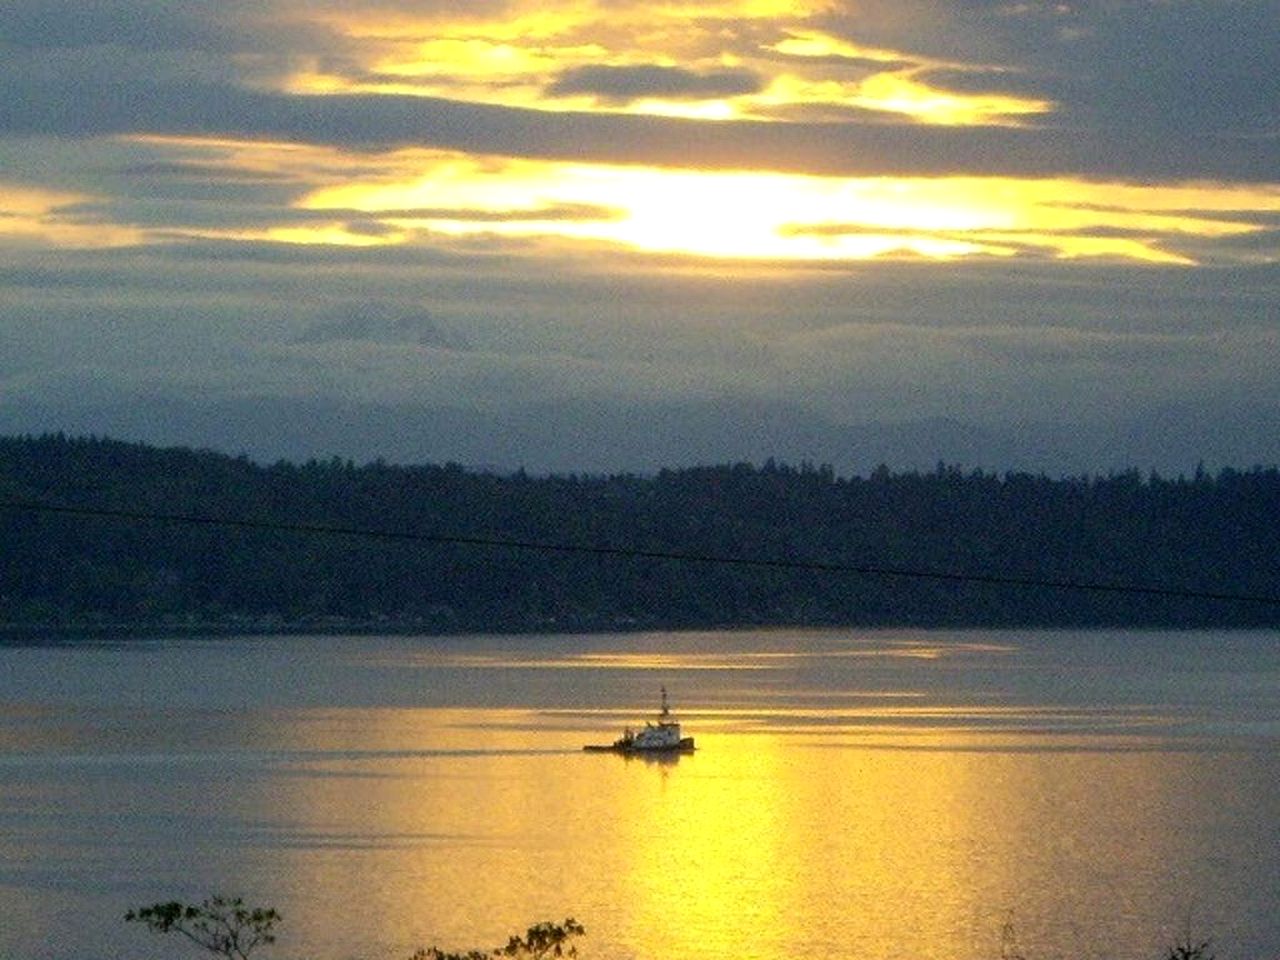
(860, 794)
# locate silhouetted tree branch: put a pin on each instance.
(539, 942)
(224, 927)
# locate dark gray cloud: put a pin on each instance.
(1144, 92)
(142, 24)
(189, 172)
(199, 212)
(1042, 242)
(1263, 244)
(844, 66)
(551, 213)
(245, 36)
(77, 99)
(1096, 349)
(623, 84)
(180, 195)
(494, 298)
(1258, 218)
(821, 112)
(1131, 67)
(1201, 65)
(512, 342)
(381, 321)
(494, 338)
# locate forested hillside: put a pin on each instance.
(1205, 533)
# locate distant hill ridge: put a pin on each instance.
(1209, 533)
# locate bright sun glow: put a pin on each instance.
(516, 61)
(901, 92)
(788, 217)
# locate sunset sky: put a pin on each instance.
(608, 234)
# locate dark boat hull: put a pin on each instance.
(684, 746)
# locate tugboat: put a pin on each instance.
(662, 736)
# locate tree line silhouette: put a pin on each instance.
(1208, 533)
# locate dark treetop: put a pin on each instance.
(247, 546)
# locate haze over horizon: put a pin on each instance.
(598, 236)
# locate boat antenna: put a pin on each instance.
(666, 710)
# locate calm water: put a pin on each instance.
(856, 794)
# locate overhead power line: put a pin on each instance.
(634, 553)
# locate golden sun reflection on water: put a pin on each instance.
(778, 838)
(837, 806)
(856, 649)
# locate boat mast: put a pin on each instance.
(666, 710)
